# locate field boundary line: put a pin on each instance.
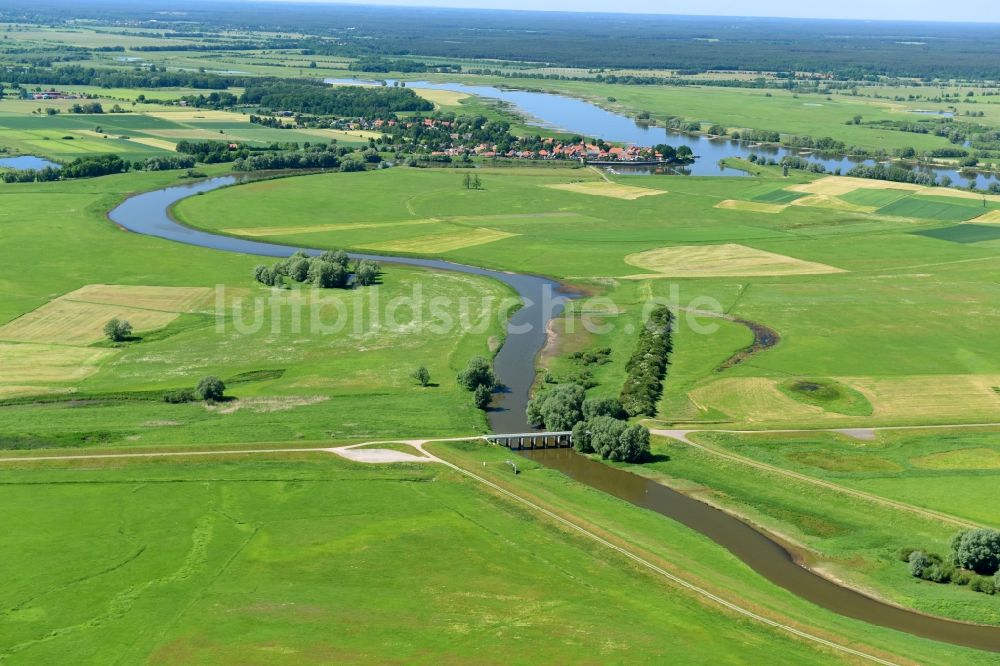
(659, 570)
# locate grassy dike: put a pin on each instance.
(843, 536)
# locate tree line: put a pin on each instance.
(647, 366)
(92, 166)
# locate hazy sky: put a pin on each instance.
(919, 10)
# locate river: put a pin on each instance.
(149, 214)
(576, 116)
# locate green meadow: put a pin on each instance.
(329, 367)
(950, 471)
(859, 298)
(311, 558)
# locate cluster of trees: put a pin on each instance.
(213, 152)
(324, 100)
(892, 172)
(93, 166)
(648, 365)
(756, 136)
(974, 561)
(331, 270)
(87, 107)
(478, 377)
(795, 162)
(823, 143)
(672, 154)
(598, 424)
(165, 163)
(213, 100)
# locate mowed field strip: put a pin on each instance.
(21, 365)
(729, 259)
(751, 206)
(992, 217)
(49, 344)
(68, 322)
(443, 242)
(320, 228)
(607, 189)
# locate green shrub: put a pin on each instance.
(982, 584)
(179, 396)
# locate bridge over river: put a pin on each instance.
(533, 440)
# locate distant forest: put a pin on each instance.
(846, 49)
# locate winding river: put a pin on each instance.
(149, 214)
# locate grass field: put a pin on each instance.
(608, 189)
(842, 288)
(274, 560)
(342, 367)
(750, 206)
(881, 296)
(848, 537)
(727, 260)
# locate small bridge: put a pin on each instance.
(533, 440)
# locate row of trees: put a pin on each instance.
(891, 172)
(598, 424)
(324, 100)
(648, 365)
(974, 560)
(97, 165)
(330, 270)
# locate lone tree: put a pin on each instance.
(477, 373)
(977, 550)
(211, 389)
(118, 330)
(422, 375)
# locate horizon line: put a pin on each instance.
(583, 12)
